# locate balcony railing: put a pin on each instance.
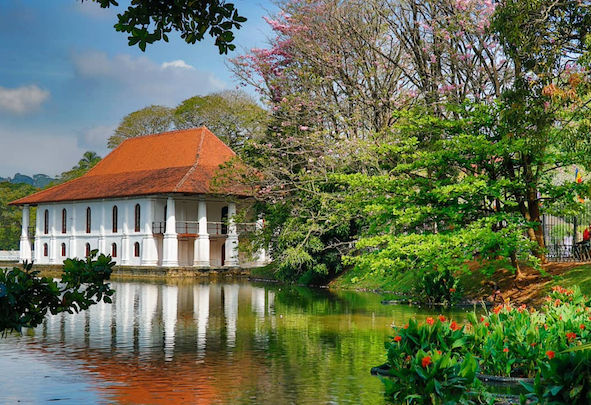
(213, 228)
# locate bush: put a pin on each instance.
(439, 287)
(509, 341)
(25, 298)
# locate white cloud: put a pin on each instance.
(177, 64)
(22, 100)
(167, 83)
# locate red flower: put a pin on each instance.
(452, 290)
(497, 309)
(454, 326)
(426, 361)
(506, 349)
(486, 324)
(405, 326)
(550, 354)
(571, 335)
(482, 318)
(430, 321)
(582, 327)
(442, 318)
(397, 338)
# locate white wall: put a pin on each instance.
(101, 232)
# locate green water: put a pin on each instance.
(191, 342)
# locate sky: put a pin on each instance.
(67, 78)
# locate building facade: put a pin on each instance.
(145, 209)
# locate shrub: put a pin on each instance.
(25, 298)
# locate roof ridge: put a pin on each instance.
(192, 169)
(163, 133)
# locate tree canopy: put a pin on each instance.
(149, 21)
(233, 115)
(418, 135)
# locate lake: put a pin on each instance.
(191, 341)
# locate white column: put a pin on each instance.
(102, 248)
(232, 241)
(201, 256)
(149, 249)
(25, 245)
(72, 252)
(170, 249)
(52, 241)
(38, 230)
(125, 249)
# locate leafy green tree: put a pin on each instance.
(149, 120)
(26, 298)
(11, 216)
(232, 115)
(149, 21)
(88, 161)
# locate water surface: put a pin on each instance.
(196, 342)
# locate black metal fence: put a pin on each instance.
(563, 236)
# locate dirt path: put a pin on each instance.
(530, 289)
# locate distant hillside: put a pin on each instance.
(38, 180)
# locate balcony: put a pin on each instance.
(191, 228)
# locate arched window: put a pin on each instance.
(64, 220)
(63, 250)
(46, 222)
(224, 220)
(45, 250)
(87, 249)
(88, 220)
(137, 217)
(115, 219)
(114, 250)
(136, 249)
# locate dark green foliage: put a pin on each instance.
(566, 379)
(428, 364)
(439, 287)
(149, 21)
(25, 298)
(11, 216)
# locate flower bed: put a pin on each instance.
(438, 361)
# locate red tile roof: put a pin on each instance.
(182, 161)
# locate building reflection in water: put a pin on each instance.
(185, 342)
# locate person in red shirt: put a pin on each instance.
(587, 234)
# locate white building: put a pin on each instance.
(151, 202)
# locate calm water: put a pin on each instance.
(186, 342)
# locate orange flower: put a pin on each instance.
(426, 361)
(405, 326)
(571, 335)
(550, 354)
(452, 290)
(582, 327)
(430, 321)
(397, 338)
(454, 326)
(497, 309)
(506, 349)
(442, 318)
(486, 324)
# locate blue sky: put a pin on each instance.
(67, 78)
